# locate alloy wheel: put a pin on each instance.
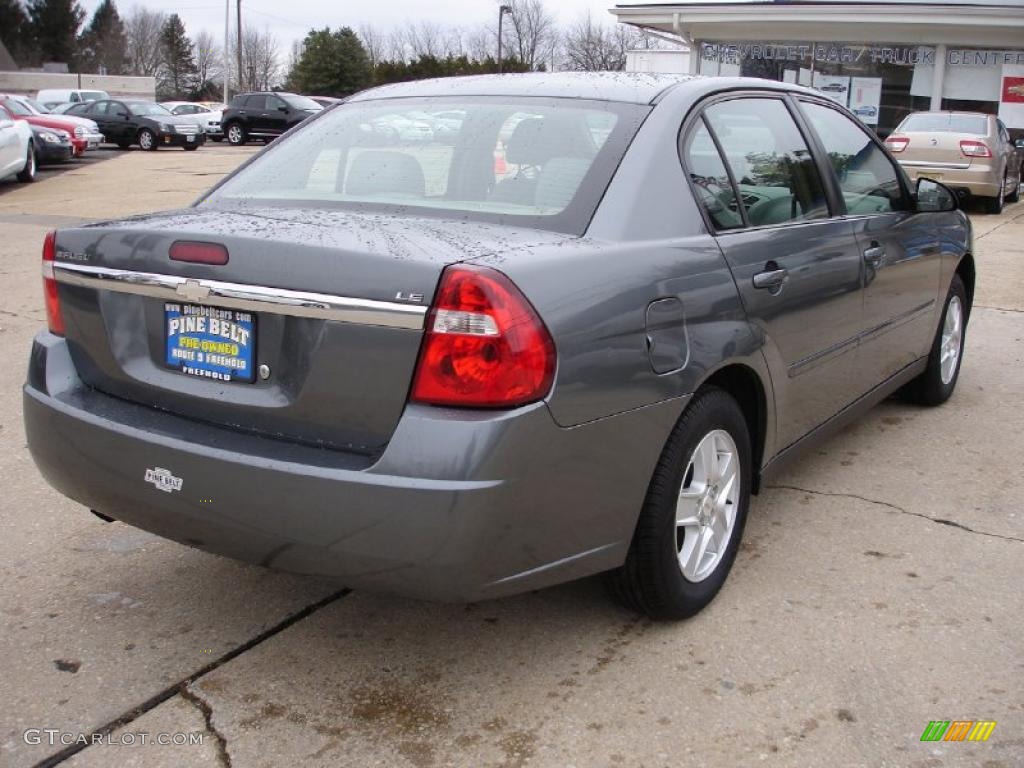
(146, 140)
(952, 338)
(707, 505)
(235, 134)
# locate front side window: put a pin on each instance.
(301, 102)
(710, 179)
(770, 161)
(536, 162)
(274, 103)
(867, 178)
(143, 109)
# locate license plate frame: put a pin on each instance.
(210, 342)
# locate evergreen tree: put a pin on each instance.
(331, 64)
(103, 44)
(54, 28)
(14, 31)
(178, 73)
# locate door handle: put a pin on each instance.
(874, 255)
(771, 279)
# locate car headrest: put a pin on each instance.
(536, 140)
(384, 172)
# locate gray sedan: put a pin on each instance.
(571, 336)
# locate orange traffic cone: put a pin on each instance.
(500, 166)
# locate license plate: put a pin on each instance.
(210, 343)
(191, 138)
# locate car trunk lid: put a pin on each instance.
(335, 303)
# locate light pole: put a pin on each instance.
(501, 18)
(227, 49)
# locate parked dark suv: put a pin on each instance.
(264, 115)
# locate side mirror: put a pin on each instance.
(933, 197)
(283, 108)
(1019, 143)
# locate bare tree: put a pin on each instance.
(375, 43)
(208, 56)
(530, 33)
(481, 42)
(592, 46)
(143, 28)
(427, 39)
(396, 46)
(261, 62)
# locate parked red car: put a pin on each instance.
(16, 111)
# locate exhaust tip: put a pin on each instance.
(102, 517)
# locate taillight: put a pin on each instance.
(485, 346)
(972, 148)
(199, 253)
(897, 143)
(54, 319)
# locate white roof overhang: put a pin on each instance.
(998, 26)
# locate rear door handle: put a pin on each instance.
(874, 255)
(771, 279)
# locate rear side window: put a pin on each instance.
(867, 178)
(238, 101)
(710, 179)
(773, 166)
(256, 101)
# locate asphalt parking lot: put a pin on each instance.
(878, 588)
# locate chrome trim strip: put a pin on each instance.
(253, 298)
(935, 165)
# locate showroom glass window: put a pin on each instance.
(867, 178)
(769, 159)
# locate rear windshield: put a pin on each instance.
(93, 95)
(535, 162)
(945, 123)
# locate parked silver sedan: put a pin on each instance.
(573, 336)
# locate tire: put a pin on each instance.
(654, 579)
(1015, 197)
(28, 174)
(936, 384)
(236, 134)
(147, 140)
(994, 205)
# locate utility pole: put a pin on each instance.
(227, 49)
(239, 21)
(501, 18)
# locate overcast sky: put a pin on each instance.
(291, 20)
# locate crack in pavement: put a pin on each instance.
(895, 508)
(180, 687)
(1000, 309)
(999, 226)
(191, 695)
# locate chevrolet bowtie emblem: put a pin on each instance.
(192, 290)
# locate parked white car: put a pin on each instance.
(17, 154)
(50, 97)
(199, 114)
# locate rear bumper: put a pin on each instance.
(979, 180)
(461, 506)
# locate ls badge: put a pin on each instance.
(163, 479)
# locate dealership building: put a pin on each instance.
(882, 59)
